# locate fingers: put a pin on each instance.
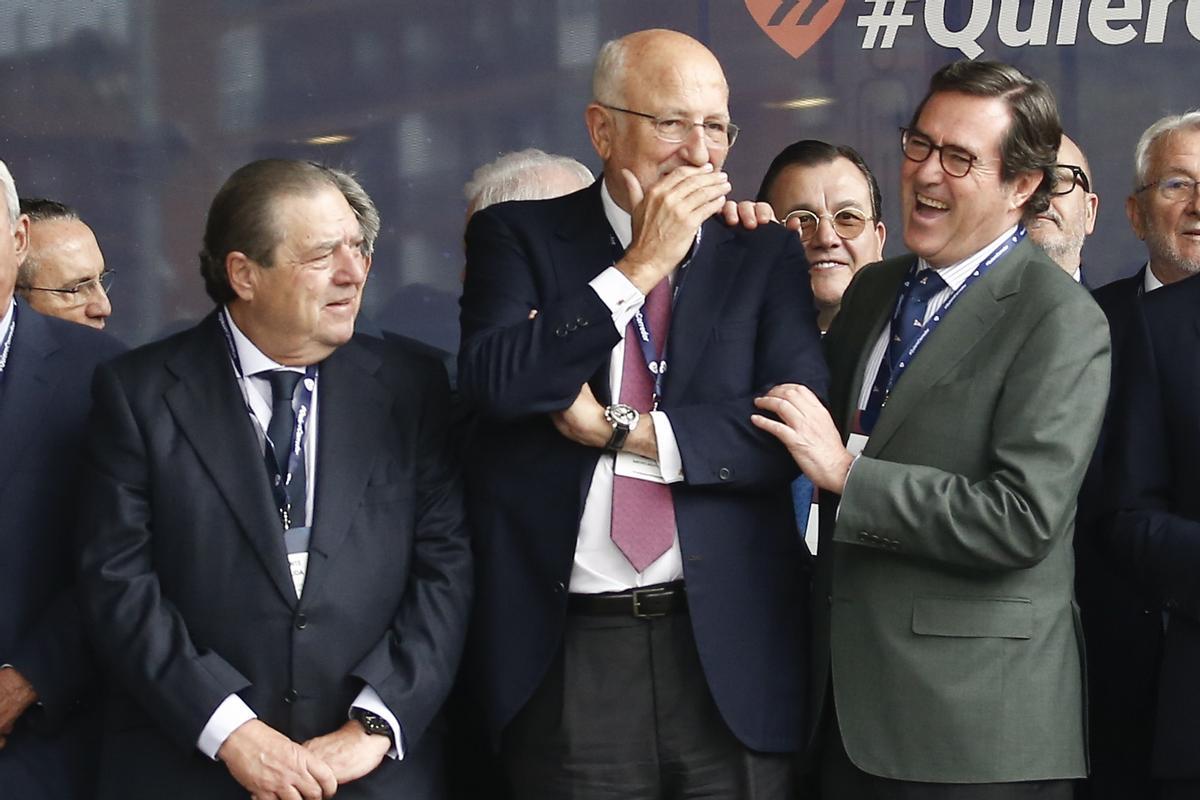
(323, 774)
(634, 187)
(777, 429)
(748, 214)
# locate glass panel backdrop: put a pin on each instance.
(135, 111)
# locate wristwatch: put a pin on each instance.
(372, 723)
(624, 420)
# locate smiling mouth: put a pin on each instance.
(827, 265)
(929, 202)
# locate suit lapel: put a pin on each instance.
(703, 287)
(30, 378)
(862, 333)
(211, 411)
(967, 323)
(353, 412)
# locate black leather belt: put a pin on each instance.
(645, 603)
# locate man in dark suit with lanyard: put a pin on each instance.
(1132, 717)
(968, 385)
(276, 569)
(46, 669)
(641, 588)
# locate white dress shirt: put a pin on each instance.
(599, 564)
(4, 326)
(1151, 281)
(256, 389)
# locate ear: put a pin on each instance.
(366, 266)
(881, 232)
(1133, 210)
(601, 129)
(1091, 206)
(242, 273)
(1023, 187)
(21, 238)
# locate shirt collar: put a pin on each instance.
(8, 318)
(1151, 281)
(955, 275)
(1078, 274)
(252, 359)
(618, 218)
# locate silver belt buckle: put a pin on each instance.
(637, 604)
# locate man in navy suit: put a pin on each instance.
(46, 365)
(276, 569)
(641, 585)
(1122, 624)
(1152, 469)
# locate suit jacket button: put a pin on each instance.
(583, 323)
(724, 473)
(301, 622)
(560, 587)
(560, 331)
(291, 696)
(571, 326)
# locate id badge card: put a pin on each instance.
(296, 540)
(631, 465)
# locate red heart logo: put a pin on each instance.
(795, 25)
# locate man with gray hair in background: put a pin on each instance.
(1122, 620)
(48, 737)
(530, 174)
(1061, 227)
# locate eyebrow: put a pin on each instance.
(955, 145)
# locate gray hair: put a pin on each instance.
(524, 175)
(361, 204)
(608, 78)
(10, 195)
(1189, 120)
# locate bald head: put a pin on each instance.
(64, 254)
(655, 55)
(661, 102)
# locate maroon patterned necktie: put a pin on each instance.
(643, 514)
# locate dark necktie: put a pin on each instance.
(643, 513)
(916, 295)
(283, 418)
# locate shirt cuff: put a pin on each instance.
(619, 294)
(670, 461)
(229, 716)
(369, 700)
(838, 511)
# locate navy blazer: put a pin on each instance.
(1152, 475)
(43, 416)
(186, 577)
(743, 322)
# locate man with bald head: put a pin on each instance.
(63, 274)
(1071, 216)
(640, 582)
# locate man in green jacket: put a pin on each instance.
(968, 386)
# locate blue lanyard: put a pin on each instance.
(656, 365)
(895, 370)
(8, 337)
(279, 483)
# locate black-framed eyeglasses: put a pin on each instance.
(717, 133)
(956, 161)
(1067, 177)
(1173, 189)
(80, 292)
(847, 222)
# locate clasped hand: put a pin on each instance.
(271, 766)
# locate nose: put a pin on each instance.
(351, 265)
(825, 236)
(696, 148)
(99, 307)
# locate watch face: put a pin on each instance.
(621, 414)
